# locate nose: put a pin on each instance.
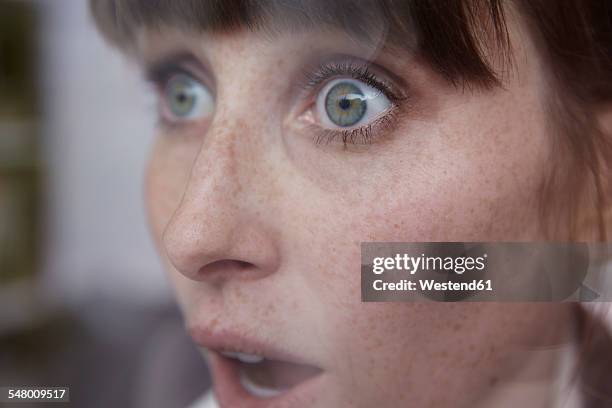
(219, 231)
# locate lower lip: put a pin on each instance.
(230, 393)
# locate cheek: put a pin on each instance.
(415, 350)
(476, 175)
(460, 187)
(167, 176)
(481, 181)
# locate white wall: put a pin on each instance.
(98, 127)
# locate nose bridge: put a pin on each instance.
(215, 219)
(238, 140)
(227, 163)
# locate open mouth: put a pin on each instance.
(250, 380)
(266, 378)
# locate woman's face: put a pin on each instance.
(278, 155)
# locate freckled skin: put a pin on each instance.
(250, 185)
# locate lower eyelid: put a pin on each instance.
(377, 130)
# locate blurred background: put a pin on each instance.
(83, 299)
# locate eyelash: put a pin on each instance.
(359, 71)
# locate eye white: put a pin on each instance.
(377, 103)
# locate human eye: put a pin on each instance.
(182, 97)
(352, 103)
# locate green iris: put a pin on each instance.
(345, 104)
(181, 95)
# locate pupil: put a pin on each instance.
(344, 104)
(181, 97)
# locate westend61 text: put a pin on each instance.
(432, 285)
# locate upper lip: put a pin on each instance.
(233, 341)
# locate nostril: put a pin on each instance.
(244, 264)
(225, 269)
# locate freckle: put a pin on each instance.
(238, 293)
(272, 308)
(378, 342)
(493, 381)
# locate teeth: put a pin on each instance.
(258, 390)
(243, 357)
